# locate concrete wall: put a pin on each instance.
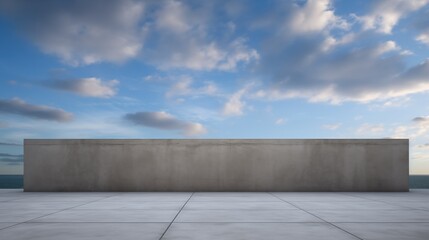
(216, 165)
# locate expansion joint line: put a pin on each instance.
(168, 227)
(314, 215)
(62, 210)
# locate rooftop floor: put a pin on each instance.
(233, 215)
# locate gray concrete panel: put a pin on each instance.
(216, 165)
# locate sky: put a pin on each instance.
(214, 69)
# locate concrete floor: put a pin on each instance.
(200, 215)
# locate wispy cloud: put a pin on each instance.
(10, 155)
(385, 14)
(332, 127)
(165, 121)
(20, 107)
(370, 129)
(280, 121)
(183, 87)
(11, 159)
(419, 127)
(10, 144)
(88, 87)
(235, 104)
(189, 28)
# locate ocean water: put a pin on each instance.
(16, 181)
(11, 181)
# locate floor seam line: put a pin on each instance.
(318, 217)
(52, 213)
(388, 203)
(168, 227)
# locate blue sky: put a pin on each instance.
(214, 69)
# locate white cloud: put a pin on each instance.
(237, 52)
(194, 46)
(82, 32)
(88, 87)
(392, 102)
(166, 121)
(418, 128)
(169, 34)
(385, 14)
(174, 16)
(423, 37)
(315, 16)
(370, 129)
(386, 47)
(332, 127)
(280, 121)
(362, 75)
(184, 87)
(426, 146)
(195, 54)
(234, 106)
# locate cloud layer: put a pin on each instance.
(11, 159)
(20, 107)
(385, 14)
(328, 62)
(183, 87)
(301, 49)
(88, 87)
(165, 121)
(81, 32)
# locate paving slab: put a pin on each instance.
(245, 216)
(22, 215)
(99, 205)
(413, 204)
(366, 205)
(39, 205)
(84, 231)
(7, 198)
(391, 231)
(320, 197)
(231, 194)
(56, 198)
(256, 231)
(408, 215)
(110, 216)
(150, 197)
(261, 198)
(413, 195)
(214, 215)
(238, 205)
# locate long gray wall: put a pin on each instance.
(216, 165)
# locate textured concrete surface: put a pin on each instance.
(216, 165)
(214, 215)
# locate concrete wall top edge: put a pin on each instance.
(216, 141)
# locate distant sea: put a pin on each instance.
(11, 181)
(16, 181)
